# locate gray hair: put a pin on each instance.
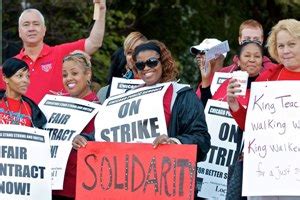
(32, 10)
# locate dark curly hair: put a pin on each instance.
(169, 68)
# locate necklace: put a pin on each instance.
(14, 117)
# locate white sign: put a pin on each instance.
(121, 85)
(66, 118)
(218, 79)
(272, 140)
(212, 173)
(24, 163)
(136, 116)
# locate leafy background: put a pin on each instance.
(178, 23)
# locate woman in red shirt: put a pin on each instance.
(15, 108)
(77, 74)
(284, 47)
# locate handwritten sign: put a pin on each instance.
(107, 170)
(272, 140)
(63, 115)
(135, 116)
(24, 163)
(213, 172)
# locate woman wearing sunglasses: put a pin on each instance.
(15, 108)
(185, 118)
(77, 74)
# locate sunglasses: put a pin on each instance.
(201, 52)
(151, 62)
(251, 41)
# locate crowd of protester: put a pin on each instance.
(66, 69)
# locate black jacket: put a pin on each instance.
(188, 122)
(37, 116)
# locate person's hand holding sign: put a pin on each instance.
(164, 139)
(205, 70)
(78, 142)
(99, 5)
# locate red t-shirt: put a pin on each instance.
(46, 70)
(70, 174)
(15, 112)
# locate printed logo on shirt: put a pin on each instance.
(46, 67)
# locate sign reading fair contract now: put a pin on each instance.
(24, 163)
(109, 170)
(66, 118)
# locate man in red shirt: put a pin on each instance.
(45, 62)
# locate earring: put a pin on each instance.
(89, 83)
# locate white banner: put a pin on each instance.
(66, 118)
(212, 173)
(121, 85)
(24, 163)
(272, 140)
(135, 116)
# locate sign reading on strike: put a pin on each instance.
(108, 170)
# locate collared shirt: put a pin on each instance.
(46, 70)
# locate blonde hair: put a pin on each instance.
(131, 39)
(80, 57)
(292, 26)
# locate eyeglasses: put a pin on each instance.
(78, 56)
(151, 62)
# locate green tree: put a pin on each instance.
(178, 23)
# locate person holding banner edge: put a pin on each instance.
(185, 118)
(15, 108)
(77, 74)
(283, 46)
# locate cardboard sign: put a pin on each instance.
(24, 163)
(135, 116)
(213, 172)
(272, 140)
(107, 170)
(66, 117)
(121, 85)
